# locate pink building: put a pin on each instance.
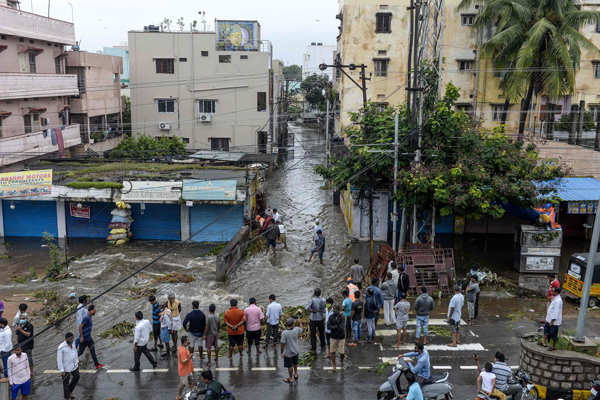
(35, 89)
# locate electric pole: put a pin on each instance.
(395, 207)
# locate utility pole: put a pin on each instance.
(395, 207)
(363, 80)
(327, 143)
(270, 135)
(589, 274)
(48, 8)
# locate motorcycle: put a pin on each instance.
(194, 395)
(438, 389)
(528, 389)
(595, 390)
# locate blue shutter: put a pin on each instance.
(224, 220)
(95, 227)
(159, 222)
(29, 218)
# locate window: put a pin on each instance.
(596, 67)
(594, 110)
(498, 112)
(219, 144)
(381, 52)
(27, 121)
(381, 106)
(165, 66)
(465, 65)
(381, 67)
(261, 101)
(224, 59)
(182, 59)
(185, 140)
(204, 53)
(207, 106)
(80, 72)
(115, 77)
(466, 108)
(597, 26)
(383, 23)
(467, 19)
(1, 127)
(244, 57)
(58, 65)
(166, 105)
(32, 66)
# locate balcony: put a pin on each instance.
(22, 85)
(32, 145)
(32, 26)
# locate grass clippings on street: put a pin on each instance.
(173, 277)
(120, 330)
(138, 292)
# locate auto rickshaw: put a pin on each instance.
(573, 283)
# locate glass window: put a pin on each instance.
(219, 144)
(498, 112)
(165, 66)
(58, 65)
(207, 106)
(383, 23)
(166, 105)
(465, 65)
(467, 19)
(381, 67)
(204, 53)
(596, 68)
(261, 101)
(225, 59)
(27, 122)
(32, 66)
(244, 57)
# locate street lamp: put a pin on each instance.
(363, 77)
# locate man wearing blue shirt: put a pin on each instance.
(85, 336)
(274, 312)
(414, 390)
(378, 297)
(422, 367)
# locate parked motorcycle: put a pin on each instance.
(595, 390)
(438, 389)
(528, 389)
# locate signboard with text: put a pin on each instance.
(582, 207)
(80, 212)
(25, 183)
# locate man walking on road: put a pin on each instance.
(67, 362)
(82, 311)
(455, 314)
(290, 349)
(337, 328)
(195, 324)
(403, 307)
(370, 313)
(423, 307)
(271, 235)
(316, 307)
(155, 323)
(24, 331)
(234, 319)
(357, 315)
(357, 273)
(403, 282)
(472, 292)
(378, 294)
(85, 336)
(141, 335)
(211, 335)
(19, 374)
(274, 312)
(185, 365)
(347, 305)
(253, 316)
(319, 247)
(553, 319)
(389, 296)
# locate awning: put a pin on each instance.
(34, 109)
(573, 189)
(32, 49)
(4, 114)
(218, 155)
(209, 190)
(151, 191)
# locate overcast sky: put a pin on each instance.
(289, 24)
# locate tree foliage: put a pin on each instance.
(312, 88)
(127, 116)
(146, 147)
(293, 72)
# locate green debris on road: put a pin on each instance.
(120, 330)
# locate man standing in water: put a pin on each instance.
(357, 273)
(319, 247)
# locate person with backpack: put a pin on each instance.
(357, 313)
(337, 327)
(316, 307)
(403, 283)
(371, 309)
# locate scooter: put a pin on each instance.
(194, 395)
(595, 390)
(528, 389)
(438, 389)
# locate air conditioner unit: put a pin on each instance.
(205, 117)
(164, 126)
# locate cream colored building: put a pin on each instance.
(376, 33)
(211, 89)
(34, 86)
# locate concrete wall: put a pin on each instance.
(233, 85)
(123, 52)
(45, 52)
(27, 25)
(14, 125)
(232, 253)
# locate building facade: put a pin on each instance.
(314, 55)
(375, 32)
(98, 108)
(123, 52)
(34, 86)
(211, 89)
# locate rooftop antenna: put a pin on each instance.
(203, 21)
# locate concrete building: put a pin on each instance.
(34, 86)
(123, 52)
(376, 32)
(211, 89)
(97, 109)
(317, 54)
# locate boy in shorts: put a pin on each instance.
(290, 349)
(402, 307)
(211, 334)
(185, 365)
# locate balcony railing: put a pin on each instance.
(36, 144)
(32, 26)
(23, 85)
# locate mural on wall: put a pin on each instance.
(237, 35)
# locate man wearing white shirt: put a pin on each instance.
(19, 374)
(318, 227)
(5, 344)
(141, 335)
(275, 215)
(553, 319)
(68, 365)
(455, 314)
(274, 312)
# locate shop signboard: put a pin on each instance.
(25, 183)
(80, 212)
(582, 207)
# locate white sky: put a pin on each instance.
(289, 24)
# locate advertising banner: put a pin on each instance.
(25, 183)
(79, 212)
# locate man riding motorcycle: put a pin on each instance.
(422, 368)
(503, 375)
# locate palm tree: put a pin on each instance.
(538, 44)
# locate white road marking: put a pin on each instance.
(264, 369)
(118, 371)
(442, 367)
(88, 371)
(156, 370)
(304, 368)
(432, 321)
(468, 367)
(515, 367)
(472, 333)
(380, 347)
(366, 367)
(444, 347)
(227, 369)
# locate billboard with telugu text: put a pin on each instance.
(25, 183)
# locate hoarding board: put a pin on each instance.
(25, 183)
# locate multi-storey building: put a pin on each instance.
(211, 89)
(97, 109)
(376, 32)
(317, 54)
(34, 85)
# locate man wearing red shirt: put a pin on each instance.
(554, 283)
(234, 319)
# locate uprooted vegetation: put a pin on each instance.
(173, 277)
(119, 330)
(55, 308)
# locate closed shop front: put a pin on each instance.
(156, 221)
(91, 220)
(215, 222)
(29, 218)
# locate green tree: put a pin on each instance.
(293, 72)
(127, 116)
(538, 43)
(312, 88)
(146, 147)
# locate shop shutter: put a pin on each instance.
(29, 218)
(225, 221)
(96, 227)
(159, 222)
